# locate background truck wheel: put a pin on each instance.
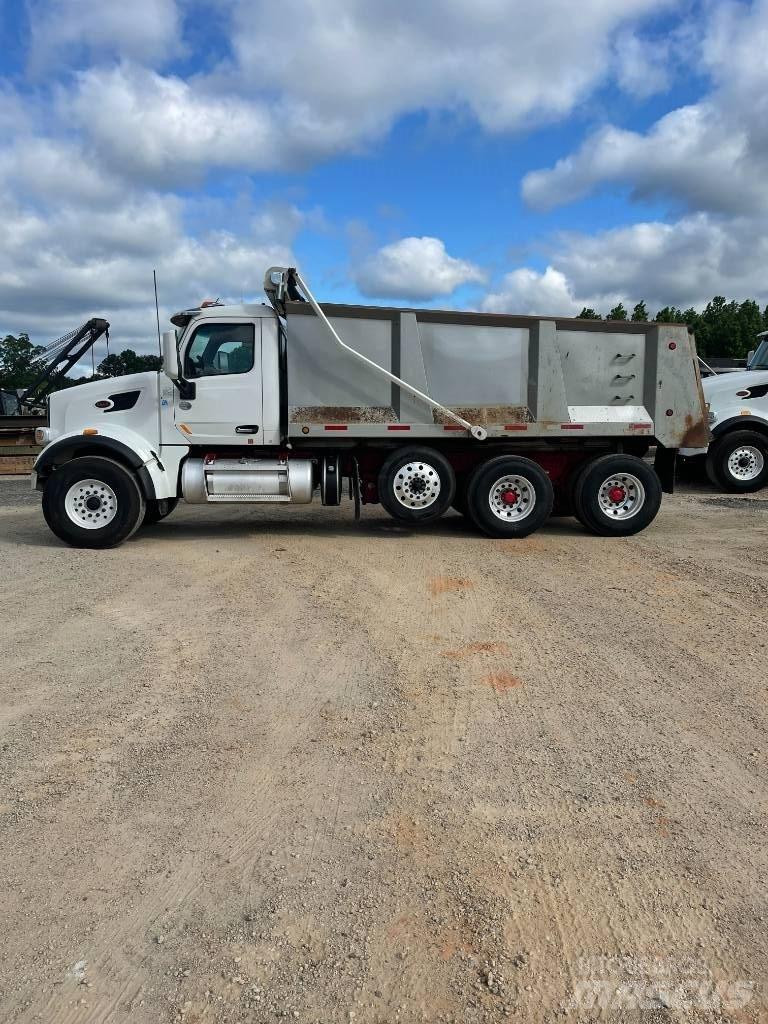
(158, 509)
(617, 495)
(93, 502)
(509, 497)
(416, 485)
(739, 461)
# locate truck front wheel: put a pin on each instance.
(739, 461)
(416, 485)
(616, 495)
(509, 497)
(93, 502)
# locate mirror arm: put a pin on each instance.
(187, 388)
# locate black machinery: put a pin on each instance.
(62, 355)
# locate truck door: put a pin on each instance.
(223, 359)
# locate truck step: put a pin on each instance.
(261, 498)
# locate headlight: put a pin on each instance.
(42, 435)
(711, 416)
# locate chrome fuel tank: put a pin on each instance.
(215, 479)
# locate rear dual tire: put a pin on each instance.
(616, 496)
(509, 497)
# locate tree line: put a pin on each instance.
(21, 361)
(723, 328)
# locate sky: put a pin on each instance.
(500, 155)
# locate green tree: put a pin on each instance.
(718, 331)
(617, 313)
(750, 325)
(640, 313)
(588, 314)
(20, 362)
(669, 315)
(118, 364)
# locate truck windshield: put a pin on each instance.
(759, 360)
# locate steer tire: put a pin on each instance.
(738, 462)
(509, 497)
(93, 502)
(416, 485)
(637, 499)
(158, 509)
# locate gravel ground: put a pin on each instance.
(264, 764)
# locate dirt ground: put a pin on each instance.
(264, 764)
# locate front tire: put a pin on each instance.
(93, 502)
(509, 497)
(738, 462)
(416, 485)
(617, 496)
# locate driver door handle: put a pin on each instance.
(247, 428)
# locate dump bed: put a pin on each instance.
(514, 375)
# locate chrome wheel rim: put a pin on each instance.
(621, 496)
(512, 498)
(417, 485)
(90, 504)
(746, 463)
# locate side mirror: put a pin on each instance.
(750, 356)
(170, 355)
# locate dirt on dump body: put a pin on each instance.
(265, 764)
(342, 414)
(486, 415)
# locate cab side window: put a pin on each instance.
(218, 349)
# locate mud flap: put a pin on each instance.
(665, 465)
(356, 486)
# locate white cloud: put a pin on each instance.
(643, 67)
(681, 264)
(414, 268)
(66, 259)
(711, 155)
(150, 126)
(330, 77)
(65, 32)
(502, 59)
(527, 291)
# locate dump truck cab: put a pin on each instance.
(227, 377)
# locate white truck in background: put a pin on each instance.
(505, 418)
(737, 408)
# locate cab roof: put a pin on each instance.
(253, 310)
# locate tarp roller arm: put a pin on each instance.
(478, 432)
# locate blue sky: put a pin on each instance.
(494, 155)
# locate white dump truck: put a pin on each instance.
(504, 418)
(737, 404)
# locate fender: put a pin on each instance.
(118, 442)
(740, 422)
(734, 420)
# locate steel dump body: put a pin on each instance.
(518, 377)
